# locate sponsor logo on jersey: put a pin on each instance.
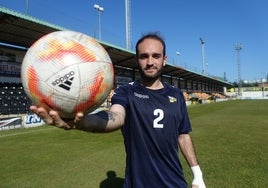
(65, 81)
(172, 99)
(141, 96)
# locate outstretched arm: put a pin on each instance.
(188, 152)
(103, 121)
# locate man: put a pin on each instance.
(153, 119)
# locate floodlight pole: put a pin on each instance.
(99, 9)
(262, 87)
(27, 7)
(128, 23)
(238, 48)
(203, 55)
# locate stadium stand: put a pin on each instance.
(13, 99)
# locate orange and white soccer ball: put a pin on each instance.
(67, 71)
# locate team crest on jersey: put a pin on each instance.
(172, 99)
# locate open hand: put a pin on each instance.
(52, 117)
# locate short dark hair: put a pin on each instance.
(151, 35)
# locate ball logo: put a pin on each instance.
(65, 81)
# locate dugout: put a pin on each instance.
(20, 31)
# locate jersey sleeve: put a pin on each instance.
(119, 97)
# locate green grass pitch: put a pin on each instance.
(231, 140)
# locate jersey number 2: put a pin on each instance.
(159, 116)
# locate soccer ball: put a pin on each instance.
(68, 72)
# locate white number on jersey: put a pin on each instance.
(159, 116)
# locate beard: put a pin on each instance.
(150, 77)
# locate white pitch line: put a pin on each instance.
(33, 131)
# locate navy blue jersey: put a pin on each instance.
(154, 120)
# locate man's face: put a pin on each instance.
(151, 59)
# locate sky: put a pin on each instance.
(222, 24)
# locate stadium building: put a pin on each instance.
(20, 31)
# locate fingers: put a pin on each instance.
(58, 121)
(52, 117)
(75, 122)
(78, 117)
(43, 113)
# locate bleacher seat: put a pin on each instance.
(13, 99)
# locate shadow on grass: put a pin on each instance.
(112, 181)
